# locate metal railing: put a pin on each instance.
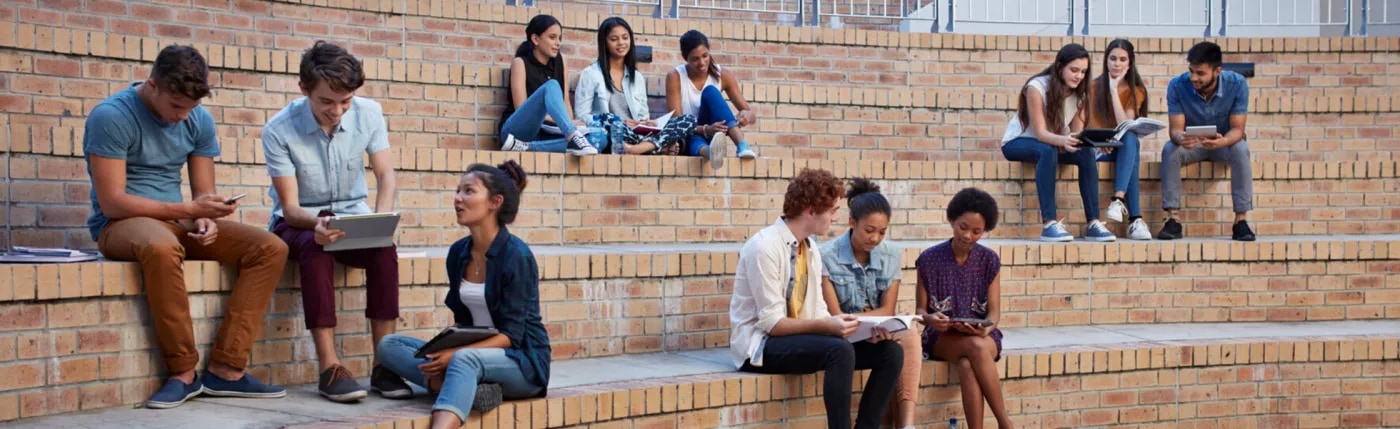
(1126, 17)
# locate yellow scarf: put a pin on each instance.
(799, 282)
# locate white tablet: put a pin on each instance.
(1201, 131)
(364, 231)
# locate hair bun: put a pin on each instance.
(861, 185)
(516, 173)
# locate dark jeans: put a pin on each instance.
(1047, 159)
(317, 267)
(806, 354)
(712, 109)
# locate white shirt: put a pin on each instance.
(1041, 85)
(474, 297)
(690, 95)
(760, 290)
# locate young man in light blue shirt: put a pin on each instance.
(1206, 95)
(315, 150)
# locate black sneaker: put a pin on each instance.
(1170, 231)
(388, 384)
(337, 384)
(1241, 232)
(488, 397)
(578, 145)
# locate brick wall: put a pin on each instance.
(80, 333)
(612, 199)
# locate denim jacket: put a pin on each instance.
(512, 297)
(859, 288)
(592, 95)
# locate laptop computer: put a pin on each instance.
(1099, 138)
(364, 231)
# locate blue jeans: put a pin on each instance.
(712, 109)
(525, 123)
(1126, 161)
(1047, 159)
(469, 367)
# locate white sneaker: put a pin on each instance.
(1138, 230)
(1117, 211)
(514, 145)
(719, 146)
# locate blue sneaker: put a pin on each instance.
(1098, 232)
(174, 393)
(1055, 231)
(744, 151)
(246, 387)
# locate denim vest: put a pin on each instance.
(859, 288)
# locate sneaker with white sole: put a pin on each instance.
(1117, 211)
(579, 145)
(1054, 231)
(513, 144)
(1097, 231)
(744, 151)
(719, 146)
(1138, 230)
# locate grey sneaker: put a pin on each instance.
(337, 384)
(719, 147)
(488, 397)
(513, 144)
(388, 384)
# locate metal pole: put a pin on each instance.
(1224, 15)
(675, 9)
(951, 17)
(1346, 10)
(936, 15)
(1209, 3)
(1365, 15)
(1087, 14)
(1070, 31)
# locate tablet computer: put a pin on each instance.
(366, 231)
(1201, 131)
(1099, 137)
(454, 336)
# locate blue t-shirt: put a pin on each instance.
(122, 127)
(1231, 98)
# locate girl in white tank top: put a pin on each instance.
(690, 95)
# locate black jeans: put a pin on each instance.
(806, 354)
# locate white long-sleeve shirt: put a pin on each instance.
(761, 284)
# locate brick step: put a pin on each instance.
(86, 326)
(1286, 374)
(625, 199)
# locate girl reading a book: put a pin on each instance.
(694, 88)
(959, 298)
(1115, 97)
(539, 102)
(1045, 132)
(493, 282)
(612, 96)
(862, 278)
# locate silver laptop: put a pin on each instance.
(364, 231)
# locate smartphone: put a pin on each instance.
(235, 198)
(972, 321)
(1201, 131)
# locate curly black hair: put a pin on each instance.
(973, 200)
(864, 198)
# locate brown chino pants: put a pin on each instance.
(161, 248)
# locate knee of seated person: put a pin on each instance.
(1240, 150)
(273, 247)
(467, 356)
(551, 86)
(711, 91)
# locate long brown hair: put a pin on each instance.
(1058, 90)
(1103, 101)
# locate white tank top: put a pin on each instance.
(473, 296)
(690, 95)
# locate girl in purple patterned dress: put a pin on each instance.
(959, 279)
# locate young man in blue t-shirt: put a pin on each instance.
(136, 143)
(1206, 95)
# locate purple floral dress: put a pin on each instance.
(957, 290)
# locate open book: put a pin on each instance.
(660, 123)
(1143, 127)
(890, 323)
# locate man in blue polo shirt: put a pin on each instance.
(316, 149)
(1207, 96)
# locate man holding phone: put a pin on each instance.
(1210, 97)
(315, 150)
(136, 143)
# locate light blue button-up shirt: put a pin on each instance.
(859, 287)
(330, 170)
(1231, 98)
